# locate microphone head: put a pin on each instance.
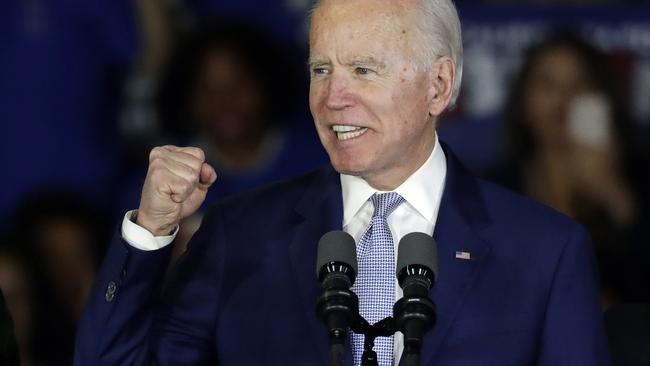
(418, 249)
(336, 246)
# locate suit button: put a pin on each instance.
(110, 291)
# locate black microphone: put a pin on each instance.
(337, 306)
(417, 271)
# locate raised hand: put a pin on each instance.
(175, 187)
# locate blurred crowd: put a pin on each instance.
(87, 88)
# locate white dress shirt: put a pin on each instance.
(422, 193)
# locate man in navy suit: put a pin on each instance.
(517, 283)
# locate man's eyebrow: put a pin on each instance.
(368, 61)
(313, 62)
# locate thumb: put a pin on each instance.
(207, 175)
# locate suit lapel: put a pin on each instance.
(461, 214)
(320, 211)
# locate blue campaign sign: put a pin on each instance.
(495, 37)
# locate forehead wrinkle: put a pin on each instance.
(362, 10)
(367, 60)
(390, 25)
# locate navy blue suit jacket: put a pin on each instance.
(244, 293)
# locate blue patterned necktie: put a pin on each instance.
(375, 283)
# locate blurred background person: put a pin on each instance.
(58, 239)
(569, 146)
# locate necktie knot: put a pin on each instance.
(385, 203)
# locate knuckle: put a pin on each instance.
(195, 166)
(157, 152)
(199, 153)
(154, 153)
(195, 152)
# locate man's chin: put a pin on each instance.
(347, 169)
(356, 163)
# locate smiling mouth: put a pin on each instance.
(344, 132)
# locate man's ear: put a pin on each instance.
(441, 76)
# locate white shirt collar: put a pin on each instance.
(421, 190)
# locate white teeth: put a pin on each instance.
(344, 128)
(342, 136)
(346, 132)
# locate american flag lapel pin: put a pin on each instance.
(464, 255)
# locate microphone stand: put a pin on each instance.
(414, 315)
(413, 331)
(383, 328)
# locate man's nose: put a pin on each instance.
(339, 94)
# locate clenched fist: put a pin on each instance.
(177, 182)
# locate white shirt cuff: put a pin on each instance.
(140, 238)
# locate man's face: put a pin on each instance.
(369, 103)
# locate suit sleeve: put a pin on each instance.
(573, 329)
(127, 322)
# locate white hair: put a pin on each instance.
(438, 23)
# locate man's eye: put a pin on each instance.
(319, 71)
(362, 71)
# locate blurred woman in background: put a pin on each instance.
(570, 146)
(47, 268)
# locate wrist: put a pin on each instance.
(155, 229)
